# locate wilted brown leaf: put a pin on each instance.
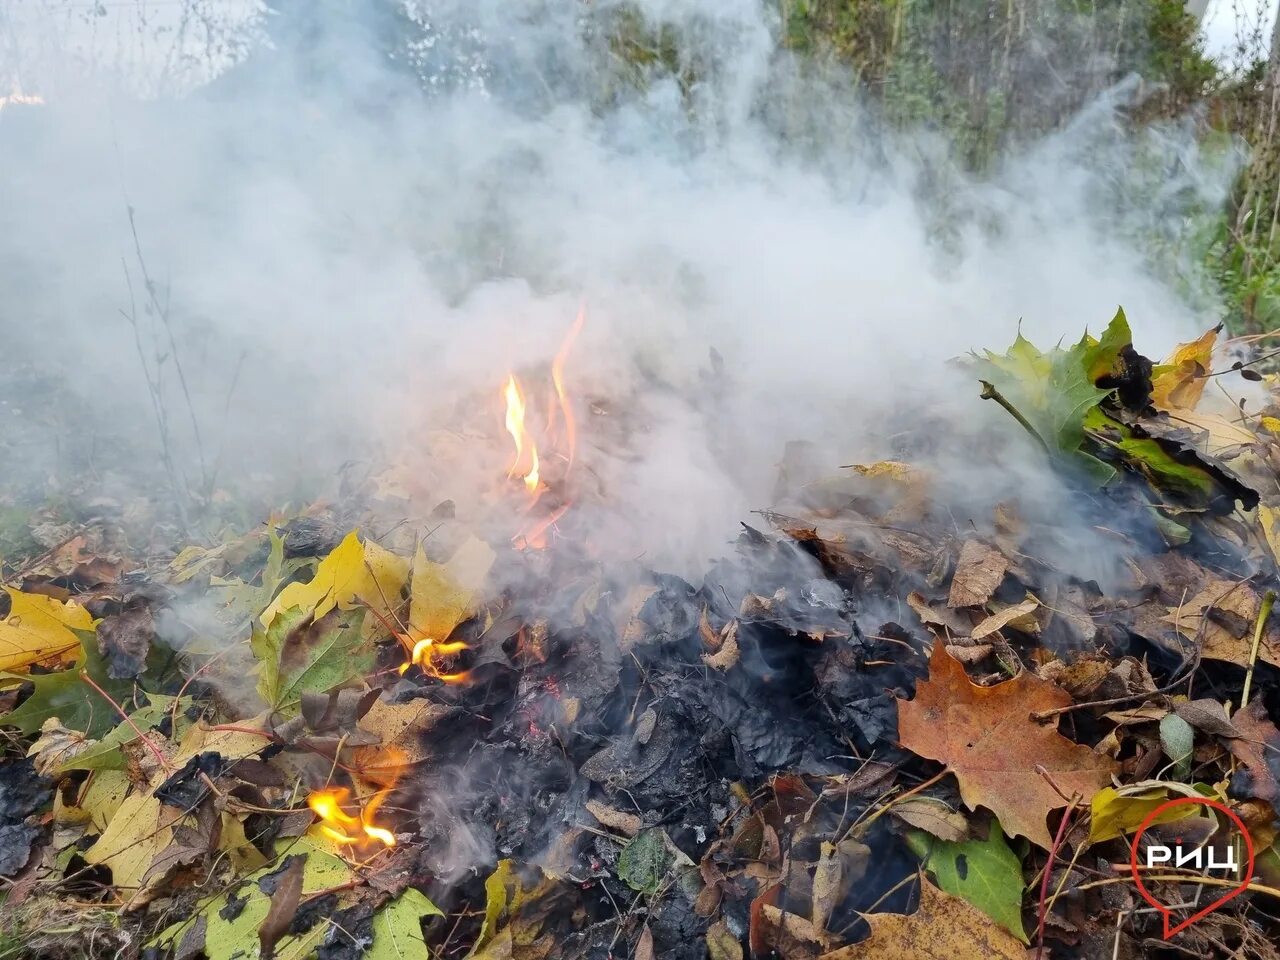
(942, 928)
(978, 573)
(987, 738)
(1179, 381)
(1258, 748)
(1228, 611)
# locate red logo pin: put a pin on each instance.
(1178, 855)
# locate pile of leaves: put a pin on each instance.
(587, 762)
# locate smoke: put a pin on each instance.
(347, 252)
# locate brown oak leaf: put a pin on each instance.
(986, 736)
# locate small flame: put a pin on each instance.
(427, 653)
(514, 398)
(562, 442)
(345, 829)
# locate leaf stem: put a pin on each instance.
(1268, 601)
(989, 392)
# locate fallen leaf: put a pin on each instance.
(643, 863)
(1019, 615)
(124, 640)
(283, 906)
(353, 572)
(38, 628)
(443, 595)
(1258, 748)
(1228, 612)
(1207, 715)
(727, 655)
(933, 816)
(986, 737)
(1178, 383)
(979, 572)
(139, 830)
(827, 887)
(1120, 812)
(986, 873)
(644, 946)
(397, 927)
(55, 746)
(298, 655)
(721, 943)
(628, 824)
(942, 928)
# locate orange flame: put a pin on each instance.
(427, 653)
(514, 398)
(342, 827)
(559, 408)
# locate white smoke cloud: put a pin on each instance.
(349, 259)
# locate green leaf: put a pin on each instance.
(65, 695)
(106, 754)
(503, 894)
(1178, 739)
(1186, 480)
(397, 927)
(1054, 390)
(237, 938)
(643, 863)
(986, 873)
(1100, 357)
(299, 655)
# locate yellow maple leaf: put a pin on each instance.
(352, 572)
(442, 595)
(1178, 382)
(39, 628)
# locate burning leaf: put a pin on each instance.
(403, 724)
(979, 572)
(351, 572)
(39, 628)
(397, 927)
(443, 595)
(986, 737)
(986, 873)
(942, 928)
(1178, 383)
(298, 654)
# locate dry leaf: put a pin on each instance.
(628, 824)
(351, 572)
(1257, 747)
(55, 746)
(443, 595)
(987, 738)
(39, 628)
(942, 928)
(979, 572)
(1229, 611)
(1181, 379)
(827, 889)
(721, 944)
(727, 655)
(401, 727)
(933, 816)
(1019, 615)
